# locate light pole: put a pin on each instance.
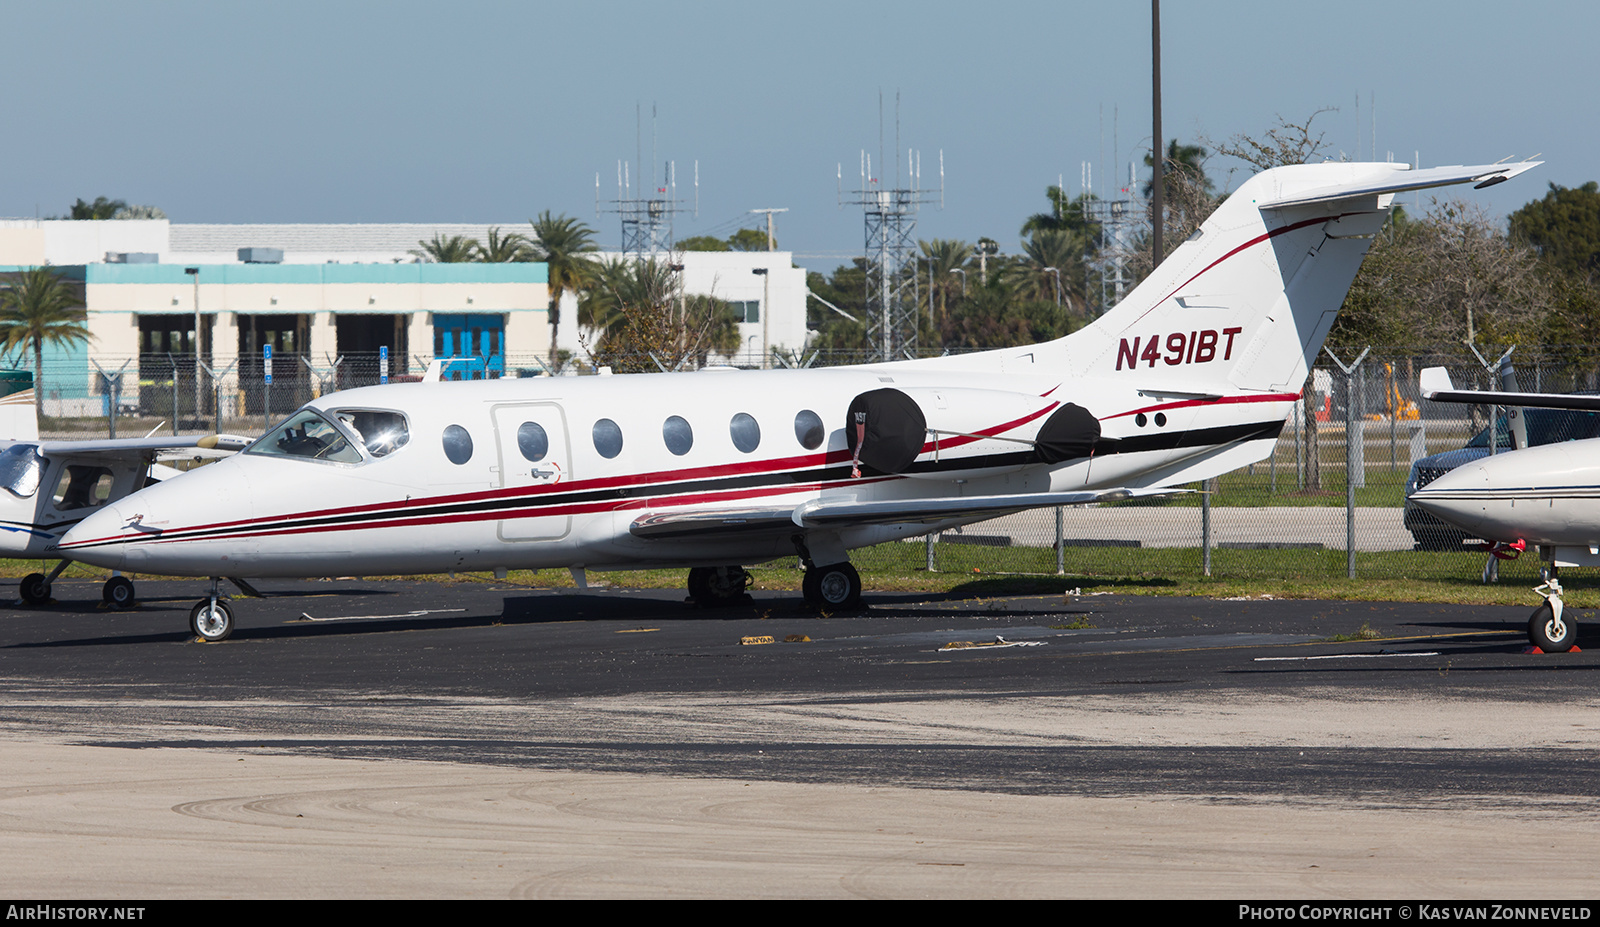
(193, 272)
(1057, 274)
(766, 291)
(963, 274)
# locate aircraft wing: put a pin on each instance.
(1436, 385)
(1400, 180)
(822, 513)
(145, 445)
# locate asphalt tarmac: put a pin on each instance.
(409, 739)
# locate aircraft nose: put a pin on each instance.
(98, 540)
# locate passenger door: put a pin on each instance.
(534, 456)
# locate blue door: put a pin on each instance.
(473, 345)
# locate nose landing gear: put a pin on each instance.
(211, 619)
(1550, 629)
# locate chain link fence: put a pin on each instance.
(1285, 516)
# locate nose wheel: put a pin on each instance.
(211, 619)
(1551, 629)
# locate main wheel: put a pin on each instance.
(714, 587)
(211, 623)
(34, 590)
(1552, 634)
(118, 592)
(833, 587)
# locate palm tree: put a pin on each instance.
(642, 318)
(101, 208)
(40, 307)
(563, 243)
(944, 256)
(457, 249)
(1052, 267)
(514, 248)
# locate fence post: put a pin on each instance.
(928, 542)
(1352, 448)
(1205, 523)
(1061, 541)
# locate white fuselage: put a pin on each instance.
(415, 510)
(1547, 495)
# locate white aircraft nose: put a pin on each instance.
(99, 539)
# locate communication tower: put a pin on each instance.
(890, 214)
(647, 214)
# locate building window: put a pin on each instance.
(748, 310)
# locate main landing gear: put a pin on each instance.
(1550, 629)
(211, 619)
(716, 587)
(833, 587)
(34, 589)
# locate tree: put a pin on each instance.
(101, 208)
(944, 258)
(513, 248)
(1285, 143)
(40, 306)
(700, 243)
(136, 211)
(1564, 229)
(748, 240)
(1051, 268)
(563, 244)
(1064, 215)
(457, 249)
(643, 321)
(1182, 161)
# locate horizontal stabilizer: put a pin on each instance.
(1436, 385)
(1402, 179)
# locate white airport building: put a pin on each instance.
(314, 293)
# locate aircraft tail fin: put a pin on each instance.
(1246, 302)
(19, 420)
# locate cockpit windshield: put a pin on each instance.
(381, 432)
(306, 434)
(21, 469)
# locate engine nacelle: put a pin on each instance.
(950, 433)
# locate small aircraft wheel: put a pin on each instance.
(1550, 634)
(833, 587)
(34, 590)
(118, 592)
(211, 623)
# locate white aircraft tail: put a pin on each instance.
(19, 420)
(1247, 301)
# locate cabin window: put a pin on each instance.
(745, 432)
(808, 430)
(677, 434)
(306, 434)
(21, 469)
(83, 488)
(457, 444)
(532, 441)
(607, 438)
(381, 432)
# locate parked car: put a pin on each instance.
(1545, 426)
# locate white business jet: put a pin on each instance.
(50, 486)
(1548, 496)
(1189, 377)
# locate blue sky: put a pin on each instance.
(412, 112)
